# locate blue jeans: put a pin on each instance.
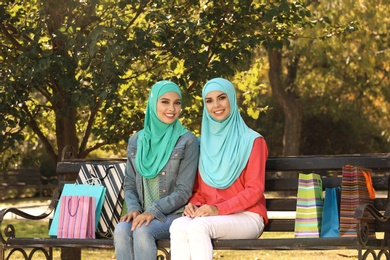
(140, 244)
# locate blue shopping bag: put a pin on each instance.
(331, 213)
(97, 191)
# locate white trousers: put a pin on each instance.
(191, 238)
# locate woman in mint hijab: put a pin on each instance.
(228, 200)
(161, 167)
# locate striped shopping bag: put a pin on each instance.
(77, 217)
(356, 189)
(71, 189)
(111, 176)
(309, 206)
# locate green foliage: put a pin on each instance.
(347, 80)
(79, 73)
(82, 70)
(342, 80)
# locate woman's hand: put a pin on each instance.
(130, 216)
(193, 211)
(145, 217)
(137, 218)
(206, 210)
(189, 210)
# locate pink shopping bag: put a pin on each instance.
(77, 217)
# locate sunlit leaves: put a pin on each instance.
(94, 62)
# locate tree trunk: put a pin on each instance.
(66, 130)
(65, 112)
(285, 95)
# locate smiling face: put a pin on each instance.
(218, 105)
(168, 107)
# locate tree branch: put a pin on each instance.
(34, 126)
(88, 131)
(92, 148)
(9, 36)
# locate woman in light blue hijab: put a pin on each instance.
(224, 144)
(228, 202)
(160, 171)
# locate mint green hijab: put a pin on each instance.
(156, 141)
(225, 146)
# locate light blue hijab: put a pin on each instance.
(225, 146)
(157, 139)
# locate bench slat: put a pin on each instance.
(291, 184)
(54, 242)
(288, 243)
(289, 204)
(280, 225)
(328, 162)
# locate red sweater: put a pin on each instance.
(245, 194)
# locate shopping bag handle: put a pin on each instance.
(69, 206)
(370, 187)
(107, 169)
(95, 180)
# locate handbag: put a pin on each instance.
(70, 189)
(330, 226)
(110, 176)
(356, 189)
(309, 206)
(77, 217)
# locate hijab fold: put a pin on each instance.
(225, 146)
(157, 139)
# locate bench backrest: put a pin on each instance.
(282, 179)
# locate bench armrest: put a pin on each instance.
(9, 230)
(363, 214)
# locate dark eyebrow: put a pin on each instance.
(222, 94)
(169, 99)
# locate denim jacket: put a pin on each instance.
(176, 179)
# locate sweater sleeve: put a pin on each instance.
(248, 190)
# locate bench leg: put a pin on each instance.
(70, 253)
